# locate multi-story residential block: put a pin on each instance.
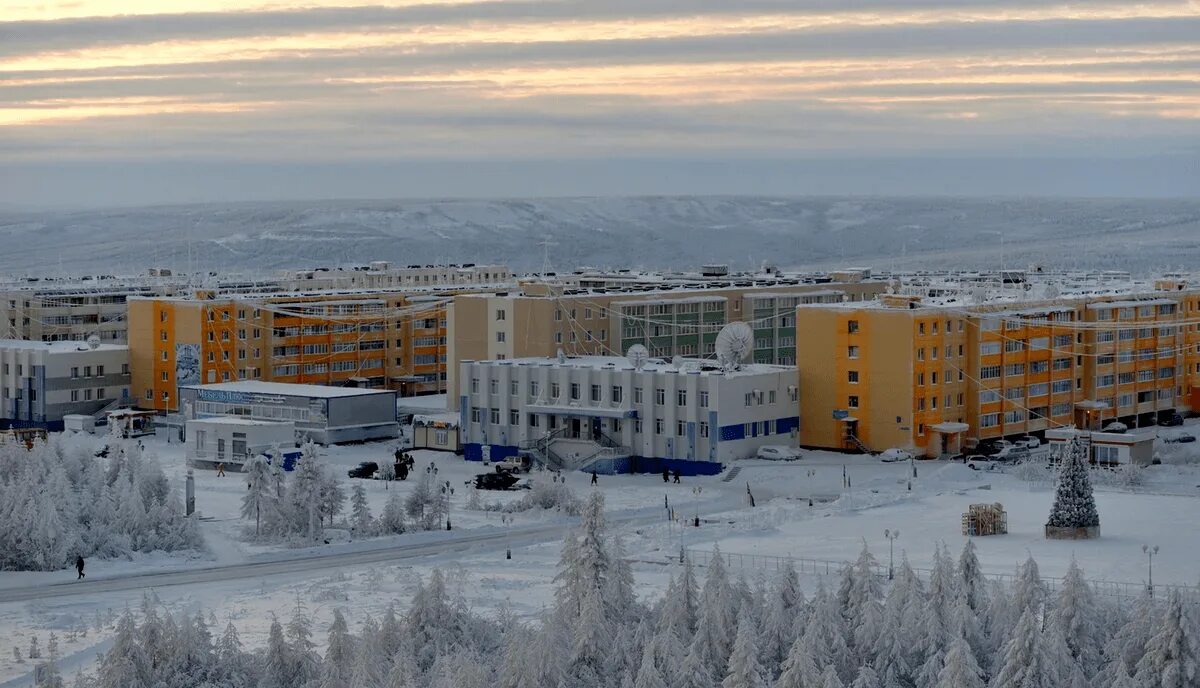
(40, 382)
(51, 311)
(382, 275)
(604, 414)
(938, 374)
(539, 319)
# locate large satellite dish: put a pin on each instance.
(637, 355)
(734, 343)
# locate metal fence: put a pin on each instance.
(826, 567)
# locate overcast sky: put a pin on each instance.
(158, 101)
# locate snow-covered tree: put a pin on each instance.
(1025, 661)
(1074, 503)
(339, 654)
(360, 512)
(744, 670)
(960, 670)
(304, 494)
(391, 519)
(1172, 657)
(260, 497)
(1076, 619)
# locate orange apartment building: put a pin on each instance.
(938, 375)
(381, 339)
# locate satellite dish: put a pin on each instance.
(637, 355)
(93, 342)
(734, 343)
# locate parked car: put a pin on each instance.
(895, 455)
(496, 481)
(1011, 453)
(1116, 427)
(778, 452)
(1172, 421)
(1029, 442)
(513, 464)
(1180, 439)
(366, 469)
(982, 463)
(992, 447)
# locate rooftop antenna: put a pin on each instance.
(546, 243)
(637, 355)
(734, 343)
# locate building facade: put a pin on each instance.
(539, 320)
(939, 374)
(601, 413)
(327, 415)
(40, 382)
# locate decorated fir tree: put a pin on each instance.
(1074, 503)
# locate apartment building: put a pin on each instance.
(539, 319)
(604, 414)
(376, 339)
(69, 310)
(938, 374)
(40, 382)
(383, 275)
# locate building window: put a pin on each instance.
(852, 401)
(703, 398)
(494, 416)
(852, 352)
(514, 417)
(594, 392)
(703, 429)
(74, 395)
(617, 394)
(476, 414)
(74, 373)
(660, 396)
(852, 326)
(555, 390)
(637, 395)
(499, 337)
(575, 390)
(771, 396)
(474, 385)
(500, 314)
(658, 426)
(681, 397)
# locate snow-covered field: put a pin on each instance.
(1161, 512)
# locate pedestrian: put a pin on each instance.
(79, 566)
(221, 470)
(399, 455)
(676, 476)
(595, 480)
(666, 476)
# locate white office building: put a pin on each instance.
(40, 382)
(601, 413)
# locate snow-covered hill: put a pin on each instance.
(658, 232)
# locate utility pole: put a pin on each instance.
(891, 536)
(1150, 552)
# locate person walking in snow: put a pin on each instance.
(676, 476)
(220, 470)
(666, 476)
(595, 480)
(79, 567)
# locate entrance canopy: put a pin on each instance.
(950, 428)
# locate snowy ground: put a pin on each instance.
(1161, 512)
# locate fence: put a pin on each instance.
(826, 567)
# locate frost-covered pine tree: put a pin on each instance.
(1077, 621)
(784, 617)
(1172, 657)
(744, 670)
(304, 493)
(421, 504)
(830, 679)
(333, 496)
(260, 497)
(867, 678)
(1074, 503)
(360, 512)
(391, 519)
(971, 579)
(648, 675)
(1025, 662)
(339, 654)
(960, 670)
(370, 661)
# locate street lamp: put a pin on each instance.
(891, 536)
(696, 490)
(1150, 552)
(447, 490)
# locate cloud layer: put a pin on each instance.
(306, 81)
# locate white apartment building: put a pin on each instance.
(40, 382)
(601, 413)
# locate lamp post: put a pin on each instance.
(891, 536)
(1150, 552)
(696, 490)
(447, 490)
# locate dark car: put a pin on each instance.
(366, 469)
(495, 481)
(1172, 421)
(1180, 439)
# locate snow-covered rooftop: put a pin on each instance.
(693, 366)
(285, 389)
(61, 347)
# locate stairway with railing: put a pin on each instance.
(540, 451)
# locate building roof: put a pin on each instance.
(694, 366)
(285, 389)
(238, 420)
(61, 347)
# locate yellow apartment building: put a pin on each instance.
(383, 339)
(938, 375)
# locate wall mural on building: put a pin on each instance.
(187, 364)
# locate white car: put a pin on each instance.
(777, 452)
(1029, 442)
(895, 455)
